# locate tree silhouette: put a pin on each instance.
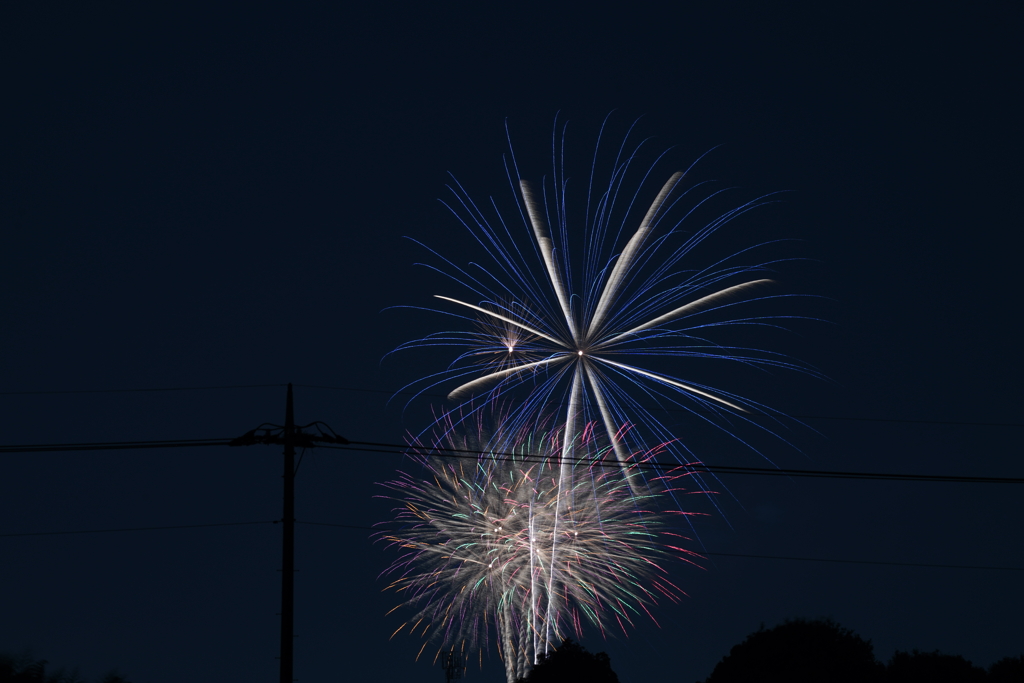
(572, 663)
(800, 651)
(932, 667)
(26, 669)
(1007, 670)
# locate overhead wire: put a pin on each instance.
(136, 528)
(112, 445)
(382, 530)
(677, 410)
(675, 466)
(646, 464)
(405, 449)
(962, 423)
(770, 557)
(130, 391)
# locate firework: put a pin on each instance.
(590, 336)
(568, 321)
(479, 537)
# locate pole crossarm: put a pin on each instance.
(292, 437)
(305, 436)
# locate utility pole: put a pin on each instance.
(288, 543)
(291, 437)
(452, 664)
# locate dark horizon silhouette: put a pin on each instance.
(814, 650)
(571, 662)
(25, 668)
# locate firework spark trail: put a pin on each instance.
(506, 545)
(551, 347)
(539, 331)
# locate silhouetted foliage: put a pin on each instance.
(572, 663)
(26, 669)
(932, 667)
(1007, 670)
(800, 651)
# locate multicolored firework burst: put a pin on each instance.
(584, 336)
(570, 322)
(509, 543)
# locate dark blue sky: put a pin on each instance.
(198, 197)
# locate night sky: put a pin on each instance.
(209, 198)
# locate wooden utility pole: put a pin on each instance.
(288, 543)
(291, 437)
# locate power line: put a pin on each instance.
(342, 526)
(958, 423)
(953, 423)
(675, 410)
(772, 557)
(876, 562)
(131, 391)
(111, 445)
(647, 465)
(136, 528)
(378, 529)
(664, 467)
